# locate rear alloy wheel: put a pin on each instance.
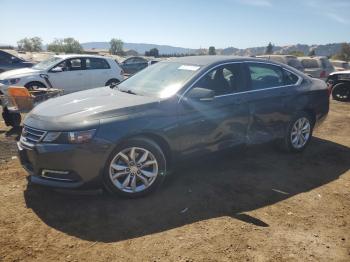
(299, 133)
(135, 169)
(341, 92)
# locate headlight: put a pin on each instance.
(79, 137)
(74, 137)
(51, 136)
(11, 81)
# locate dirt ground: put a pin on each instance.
(254, 204)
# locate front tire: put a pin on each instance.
(135, 168)
(341, 92)
(112, 82)
(299, 133)
(34, 85)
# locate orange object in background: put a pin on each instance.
(20, 97)
(18, 91)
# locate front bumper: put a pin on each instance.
(65, 165)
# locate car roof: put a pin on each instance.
(207, 60)
(80, 55)
(287, 56)
(312, 57)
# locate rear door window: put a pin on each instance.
(310, 63)
(265, 76)
(96, 63)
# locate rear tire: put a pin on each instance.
(135, 168)
(341, 92)
(299, 133)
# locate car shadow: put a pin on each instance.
(225, 184)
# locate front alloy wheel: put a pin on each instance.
(135, 168)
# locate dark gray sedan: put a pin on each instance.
(127, 138)
(9, 62)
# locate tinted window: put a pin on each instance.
(135, 60)
(4, 57)
(223, 80)
(264, 76)
(290, 78)
(309, 63)
(96, 63)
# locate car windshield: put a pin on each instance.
(46, 64)
(161, 80)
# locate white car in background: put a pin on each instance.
(340, 65)
(71, 73)
(317, 66)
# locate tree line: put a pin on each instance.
(71, 45)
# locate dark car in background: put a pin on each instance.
(135, 64)
(339, 83)
(127, 138)
(9, 62)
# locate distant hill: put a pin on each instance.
(321, 50)
(141, 48)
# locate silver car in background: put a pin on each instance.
(290, 60)
(340, 65)
(317, 66)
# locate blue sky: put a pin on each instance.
(185, 23)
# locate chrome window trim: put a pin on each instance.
(300, 79)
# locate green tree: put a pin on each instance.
(269, 49)
(296, 53)
(37, 44)
(116, 46)
(66, 45)
(72, 46)
(152, 52)
(312, 52)
(33, 44)
(344, 53)
(212, 50)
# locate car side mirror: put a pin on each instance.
(201, 94)
(56, 70)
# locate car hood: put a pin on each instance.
(17, 73)
(84, 109)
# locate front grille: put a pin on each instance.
(32, 135)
